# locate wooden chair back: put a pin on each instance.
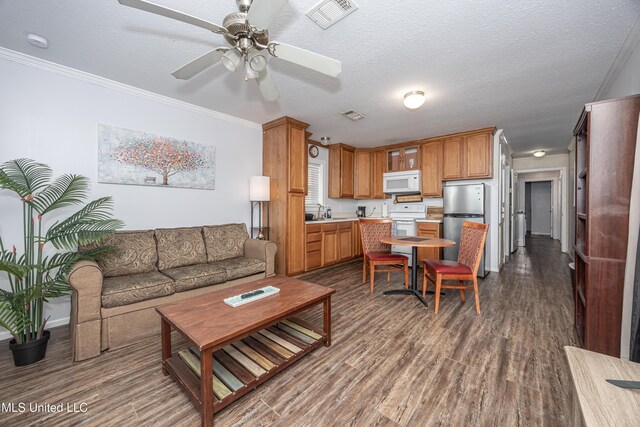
(371, 229)
(472, 243)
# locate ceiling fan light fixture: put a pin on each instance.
(256, 60)
(539, 153)
(231, 59)
(414, 99)
(250, 73)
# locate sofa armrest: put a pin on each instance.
(85, 280)
(264, 250)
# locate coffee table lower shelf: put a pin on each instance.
(245, 364)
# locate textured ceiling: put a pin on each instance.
(525, 66)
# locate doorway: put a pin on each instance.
(558, 229)
(539, 208)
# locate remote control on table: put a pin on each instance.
(252, 293)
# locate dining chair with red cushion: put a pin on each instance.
(472, 243)
(378, 253)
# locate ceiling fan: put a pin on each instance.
(247, 34)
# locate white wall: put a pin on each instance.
(548, 161)
(51, 114)
(541, 207)
(628, 80)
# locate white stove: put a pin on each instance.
(404, 218)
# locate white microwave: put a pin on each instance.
(401, 182)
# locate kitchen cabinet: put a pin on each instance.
(429, 229)
(297, 157)
(452, 167)
(341, 168)
(345, 241)
(402, 159)
(329, 244)
(357, 240)
(313, 257)
(295, 234)
(362, 174)
(284, 160)
(378, 168)
(431, 169)
(468, 156)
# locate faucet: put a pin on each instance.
(320, 207)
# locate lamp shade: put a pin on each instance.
(259, 189)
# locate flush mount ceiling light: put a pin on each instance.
(325, 140)
(539, 153)
(38, 41)
(414, 99)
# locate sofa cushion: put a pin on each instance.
(123, 290)
(178, 247)
(134, 252)
(196, 276)
(240, 267)
(224, 241)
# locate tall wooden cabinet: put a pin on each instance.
(284, 160)
(605, 147)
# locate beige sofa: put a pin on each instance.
(113, 300)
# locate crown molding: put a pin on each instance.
(41, 64)
(620, 60)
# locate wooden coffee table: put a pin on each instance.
(245, 345)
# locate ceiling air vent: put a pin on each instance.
(353, 115)
(328, 12)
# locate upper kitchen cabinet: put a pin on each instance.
(478, 155)
(341, 171)
(362, 176)
(401, 159)
(432, 169)
(453, 164)
(468, 156)
(378, 168)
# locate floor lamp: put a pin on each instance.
(259, 196)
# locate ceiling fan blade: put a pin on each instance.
(173, 14)
(322, 64)
(200, 64)
(267, 86)
(263, 12)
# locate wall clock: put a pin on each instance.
(313, 151)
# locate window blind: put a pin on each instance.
(315, 190)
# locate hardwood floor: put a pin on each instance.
(392, 362)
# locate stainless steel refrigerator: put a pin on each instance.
(463, 203)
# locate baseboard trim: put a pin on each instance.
(5, 335)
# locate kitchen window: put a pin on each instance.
(315, 193)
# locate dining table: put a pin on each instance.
(415, 242)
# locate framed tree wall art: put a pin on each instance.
(139, 158)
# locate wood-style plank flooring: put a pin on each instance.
(392, 362)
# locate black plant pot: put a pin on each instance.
(29, 352)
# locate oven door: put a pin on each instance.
(402, 228)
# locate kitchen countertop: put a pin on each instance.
(324, 221)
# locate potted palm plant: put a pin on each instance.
(38, 272)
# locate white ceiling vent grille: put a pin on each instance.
(353, 115)
(328, 12)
